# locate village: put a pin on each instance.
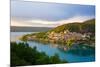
(66, 39)
(67, 35)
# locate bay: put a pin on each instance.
(51, 49)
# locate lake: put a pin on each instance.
(79, 55)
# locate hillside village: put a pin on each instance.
(66, 35)
(63, 35)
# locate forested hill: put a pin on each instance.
(67, 34)
(86, 26)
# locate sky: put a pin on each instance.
(39, 14)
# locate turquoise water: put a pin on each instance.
(73, 55)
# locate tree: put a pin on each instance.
(22, 54)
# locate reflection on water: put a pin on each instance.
(83, 50)
(81, 54)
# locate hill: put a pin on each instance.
(86, 26)
(29, 29)
(67, 34)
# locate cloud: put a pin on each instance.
(76, 18)
(43, 23)
(56, 11)
(32, 23)
(19, 23)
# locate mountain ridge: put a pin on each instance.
(29, 29)
(77, 27)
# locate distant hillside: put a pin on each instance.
(87, 26)
(29, 29)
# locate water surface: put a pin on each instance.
(78, 55)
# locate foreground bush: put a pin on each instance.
(22, 54)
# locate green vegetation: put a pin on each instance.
(66, 34)
(69, 42)
(41, 35)
(22, 54)
(72, 27)
(87, 26)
